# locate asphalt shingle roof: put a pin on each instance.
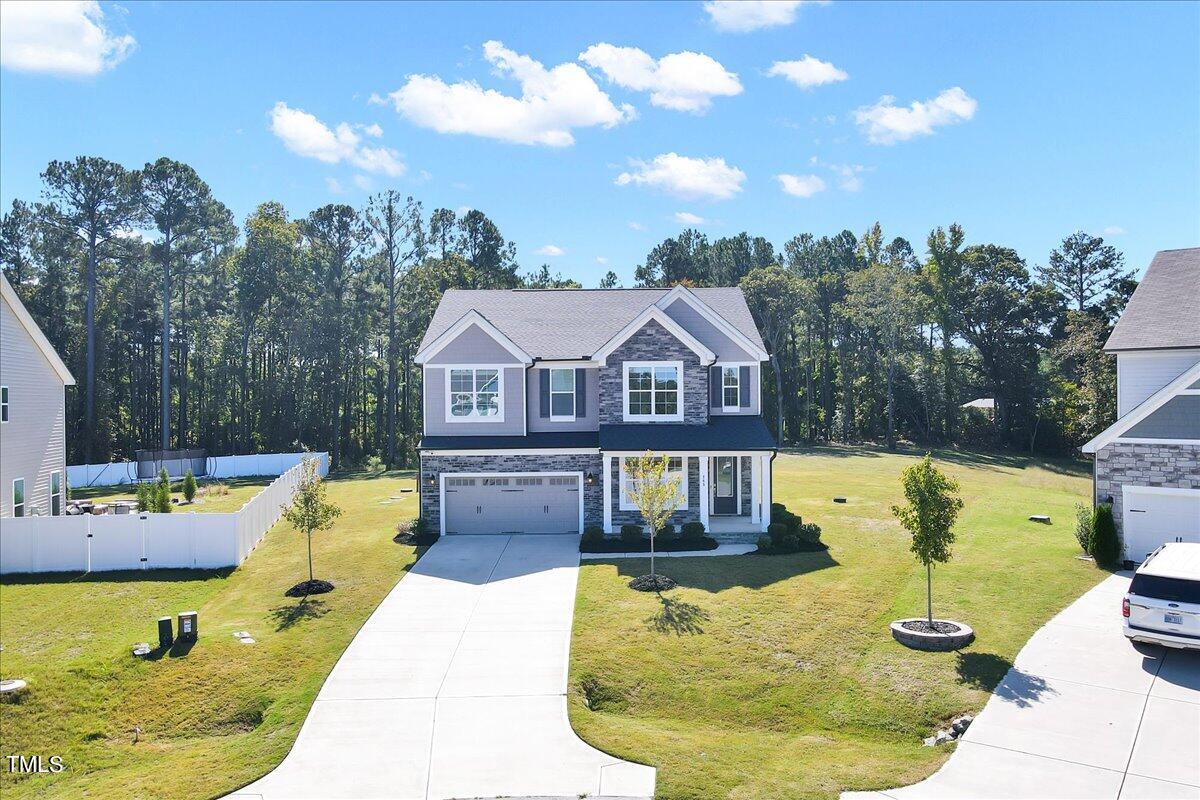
(721, 433)
(532, 441)
(573, 323)
(1164, 311)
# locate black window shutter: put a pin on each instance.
(544, 377)
(744, 387)
(714, 387)
(580, 387)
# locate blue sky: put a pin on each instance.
(1032, 120)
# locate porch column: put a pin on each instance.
(704, 491)
(608, 494)
(755, 489)
(766, 491)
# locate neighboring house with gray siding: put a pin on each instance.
(535, 399)
(33, 378)
(1147, 463)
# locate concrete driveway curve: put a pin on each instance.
(456, 688)
(1083, 713)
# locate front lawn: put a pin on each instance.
(212, 718)
(776, 676)
(227, 494)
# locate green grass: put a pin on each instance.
(776, 676)
(212, 718)
(238, 491)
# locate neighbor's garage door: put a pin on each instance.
(1153, 517)
(512, 504)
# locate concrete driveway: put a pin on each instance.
(1082, 714)
(456, 688)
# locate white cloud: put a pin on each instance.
(373, 130)
(552, 102)
(684, 81)
(849, 176)
(688, 178)
(364, 183)
(801, 185)
(334, 186)
(636, 226)
(551, 250)
(601, 260)
(307, 136)
(807, 72)
(688, 218)
(1114, 230)
(887, 123)
(742, 16)
(63, 38)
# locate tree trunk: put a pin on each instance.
(950, 382)
(929, 593)
(166, 342)
(310, 569)
(891, 405)
(90, 389)
(778, 397)
(391, 372)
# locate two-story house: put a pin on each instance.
(1147, 463)
(33, 381)
(534, 399)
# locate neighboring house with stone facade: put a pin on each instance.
(534, 399)
(1147, 463)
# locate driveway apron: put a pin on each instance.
(456, 688)
(1083, 713)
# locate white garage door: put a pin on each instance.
(1154, 516)
(512, 504)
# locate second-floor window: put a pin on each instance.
(562, 394)
(475, 394)
(3, 404)
(730, 388)
(653, 391)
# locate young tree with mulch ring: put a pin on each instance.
(309, 512)
(932, 509)
(655, 492)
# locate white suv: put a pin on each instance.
(1163, 603)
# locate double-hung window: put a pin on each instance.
(474, 394)
(18, 497)
(56, 493)
(562, 395)
(730, 388)
(3, 404)
(653, 391)
(674, 468)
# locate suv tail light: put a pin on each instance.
(1125, 606)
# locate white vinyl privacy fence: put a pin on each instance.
(88, 543)
(120, 472)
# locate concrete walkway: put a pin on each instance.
(456, 688)
(1082, 714)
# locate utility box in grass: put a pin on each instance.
(166, 636)
(189, 626)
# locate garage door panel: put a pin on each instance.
(512, 504)
(1153, 518)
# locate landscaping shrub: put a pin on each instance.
(777, 531)
(373, 464)
(791, 543)
(764, 543)
(1106, 549)
(593, 536)
(416, 532)
(809, 532)
(189, 486)
(1083, 527)
(693, 530)
(145, 497)
(667, 532)
(162, 498)
(631, 534)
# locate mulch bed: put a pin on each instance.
(652, 583)
(428, 540)
(305, 588)
(938, 626)
(805, 547)
(643, 546)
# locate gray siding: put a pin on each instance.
(1124, 464)
(433, 466)
(755, 396)
(590, 421)
(1141, 374)
(1178, 418)
(33, 441)
(474, 346)
(709, 335)
(435, 407)
(654, 343)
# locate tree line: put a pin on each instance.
(185, 329)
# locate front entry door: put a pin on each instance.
(725, 477)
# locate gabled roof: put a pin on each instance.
(655, 314)
(1164, 312)
(1148, 406)
(472, 317)
(35, 333)
(563, 324)
(733, 432)
(752, 346)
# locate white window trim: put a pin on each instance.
(562, 417)
(651, 417)
(754, 389)
(58, 494)
(737, 386)
(499, 417)
(24, 498)
(625, 505)
(5, 398)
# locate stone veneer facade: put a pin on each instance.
(653, 343)
(434, 465)
(691, 514)
(1125, 464)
